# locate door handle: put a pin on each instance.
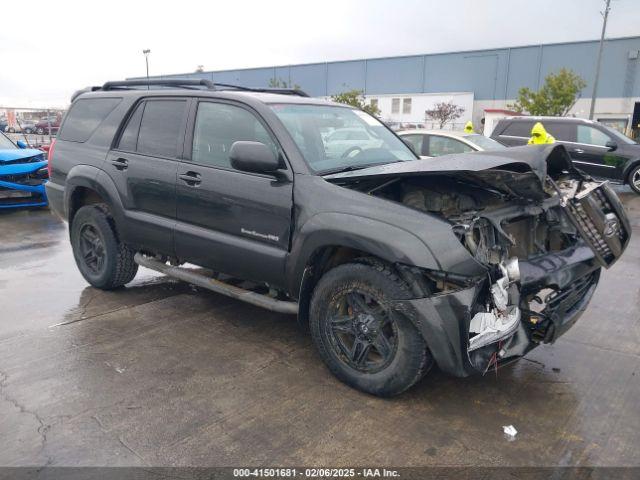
(191, 178)
(120, 163)
(578, 150)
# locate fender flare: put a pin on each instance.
(388, 242)
(93, 178)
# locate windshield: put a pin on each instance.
(334, 138)
(5, 143)
(485, 143)
(617, 135)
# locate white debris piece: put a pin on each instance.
(491, 327)
(510, 432)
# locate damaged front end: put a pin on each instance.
(539, 228)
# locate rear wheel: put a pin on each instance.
(362, 339)
(40, 130)
(103, 260)
(634, 179)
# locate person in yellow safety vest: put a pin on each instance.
(468, 128)
(539, 135)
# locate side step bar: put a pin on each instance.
(217, 286)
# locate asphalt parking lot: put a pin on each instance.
(161, 373)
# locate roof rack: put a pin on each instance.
(173, 82)
(189, 84)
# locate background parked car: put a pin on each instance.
(345, 142)
(23, 172)
(23, 126)
(42, 127)
(597, 149)
(435, 143)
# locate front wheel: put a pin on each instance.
(634, 179)
(362, 339)
(103, 260)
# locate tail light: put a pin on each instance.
(50, 156)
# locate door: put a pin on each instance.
(234, 222)
(143, 166)
(591, 153)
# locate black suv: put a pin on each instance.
(596, 149)
(395, 263)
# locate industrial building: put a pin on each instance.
(404, 87)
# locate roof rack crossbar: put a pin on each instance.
(281, 91)
(173, 82)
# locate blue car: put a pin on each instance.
(23, 172)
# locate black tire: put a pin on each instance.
(336, 316)
(111, 264)
(40, 131)
(634, 179)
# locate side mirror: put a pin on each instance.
(253, 157)
(21, 144)
(611, 145)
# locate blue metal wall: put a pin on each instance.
(489, 74)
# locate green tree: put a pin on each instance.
(280, 83)
(559, 93)
(355, 98)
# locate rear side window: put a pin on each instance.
(518, 129)
(161, 128)
(85, 117)
(563, 132)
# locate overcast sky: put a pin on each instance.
(48, 49)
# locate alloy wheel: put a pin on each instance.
(92, 249)
(362, 332)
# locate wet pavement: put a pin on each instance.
(161, 373)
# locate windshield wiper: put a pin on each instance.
(351, 168)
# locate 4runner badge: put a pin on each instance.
(266, 236)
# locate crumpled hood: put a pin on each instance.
(21, 168)
(507, 170)
(11, 155)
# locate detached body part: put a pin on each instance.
(394, 263)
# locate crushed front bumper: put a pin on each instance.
(443, 319)
(19, 186)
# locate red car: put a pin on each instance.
(42, 127)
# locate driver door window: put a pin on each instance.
(439, 146)
(218, 126)
(592, 136)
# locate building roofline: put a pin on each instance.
(413, 55)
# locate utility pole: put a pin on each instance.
(146, 59)
(605, 16)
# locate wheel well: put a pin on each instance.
(321, 261)
(627, 177)
(80, 197)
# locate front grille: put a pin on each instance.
(599, 223)
(31, 179)
(567, 298)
